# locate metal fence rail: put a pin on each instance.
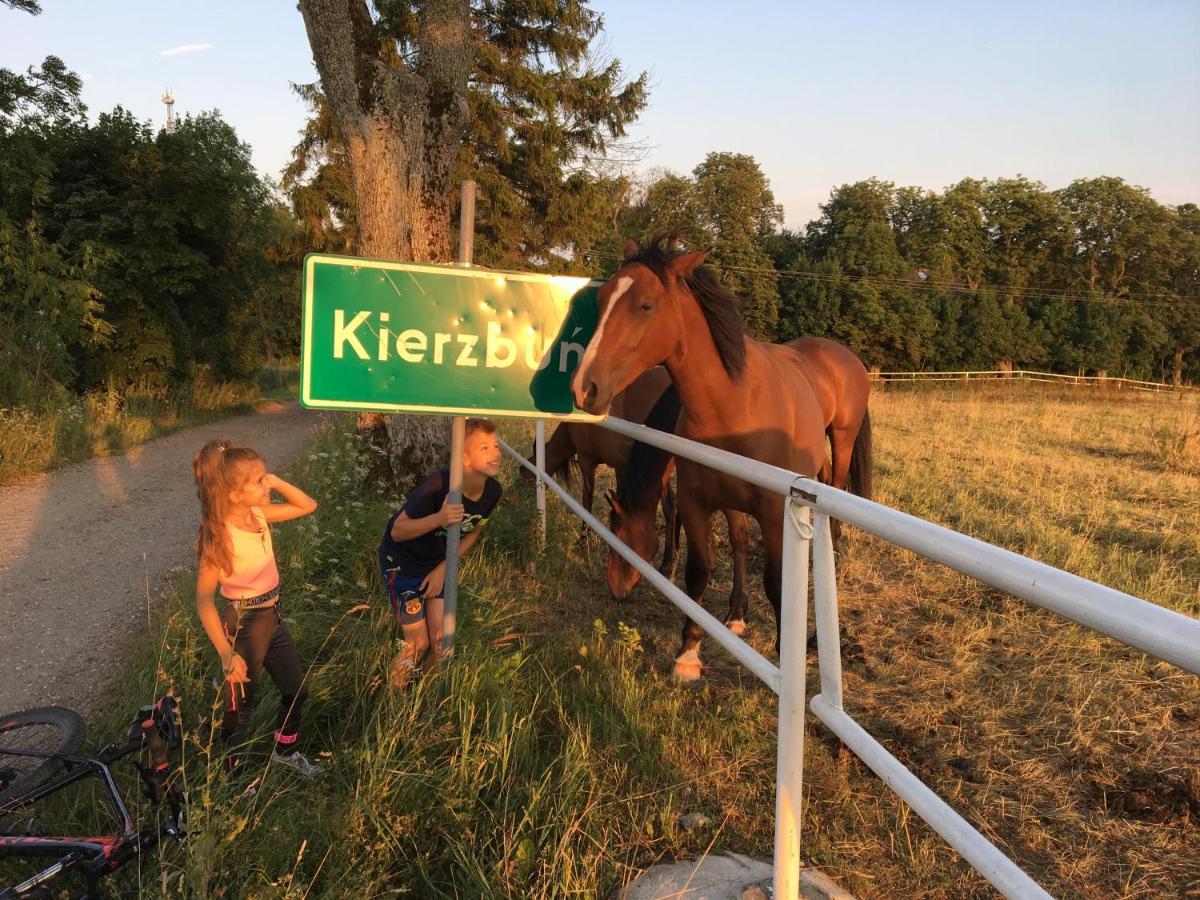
(1145, 626)
(1154, 387)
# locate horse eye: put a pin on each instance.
(646, 306)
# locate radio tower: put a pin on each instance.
(169, 99)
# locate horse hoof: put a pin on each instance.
(686, 673)
(736, 626)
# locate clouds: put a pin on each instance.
(185, 48)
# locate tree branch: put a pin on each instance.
(345, 45)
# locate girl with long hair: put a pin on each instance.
(235, 554)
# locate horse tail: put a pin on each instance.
(560, 455)
(859, 479)
(570, 469)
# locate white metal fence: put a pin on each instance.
(1145, 626)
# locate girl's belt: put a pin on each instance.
(250, 602)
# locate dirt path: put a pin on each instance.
(78, 546)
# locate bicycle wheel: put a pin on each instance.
(50, 729)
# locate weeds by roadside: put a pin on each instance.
(70, 429)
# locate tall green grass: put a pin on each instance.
(555, 757)
(533, 767)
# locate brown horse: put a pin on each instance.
(633, 516)
(589, 446)
(738, 394)
(843, 388)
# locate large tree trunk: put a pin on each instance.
(1177, 368)
(402, 128)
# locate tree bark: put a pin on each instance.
(1177, 368)
(402, 129)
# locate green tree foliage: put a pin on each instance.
(1095, 277)
(49, 313)
(855, 228)
(129, 255)
(1120, 236)
(725, 206)
(547, 112)
(318, 183)
(738, 213)
(1181, 311)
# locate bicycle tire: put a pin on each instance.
(52, 729)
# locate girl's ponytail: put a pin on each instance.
(215, 467)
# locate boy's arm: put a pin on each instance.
(405, 529)
(232, 665)
(297, 503)
(432, 584)
(469, 541)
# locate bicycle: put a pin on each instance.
(38, 758)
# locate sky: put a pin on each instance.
(917, 93)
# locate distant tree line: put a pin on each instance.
(1097, 276)
(129, 254)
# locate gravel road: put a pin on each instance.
(79, 545)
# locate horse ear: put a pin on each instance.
(686, 264)
(631, 249)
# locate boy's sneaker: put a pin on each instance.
(297, 761)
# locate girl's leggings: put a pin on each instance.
(263, 641)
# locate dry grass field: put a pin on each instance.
(1079, 757)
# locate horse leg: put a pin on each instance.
(841, 442)
(771, 524)
(698, 525)
(670, 528)
(587, 475)
(587, 478)
(739, 541)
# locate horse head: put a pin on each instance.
(640, 325)
(637, 529)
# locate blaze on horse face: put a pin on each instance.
(640, 532)
(640, 327)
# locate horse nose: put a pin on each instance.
(618, 587)
(585, 393)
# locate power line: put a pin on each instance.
(1016, 293)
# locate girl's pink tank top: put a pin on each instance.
(254, 570)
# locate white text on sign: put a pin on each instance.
(445, 348)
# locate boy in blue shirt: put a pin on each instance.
(412, 553)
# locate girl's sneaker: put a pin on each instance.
(297, 761)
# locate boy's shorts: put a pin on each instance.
(404, 593)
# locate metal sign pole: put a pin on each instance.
(539, 458)
(789, 767)
(466, 249)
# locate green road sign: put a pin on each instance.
(407, 337)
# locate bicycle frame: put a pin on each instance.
(97, 856)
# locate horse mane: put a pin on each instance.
(641, 480)
(722, 310)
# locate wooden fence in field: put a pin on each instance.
(1096, 381)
